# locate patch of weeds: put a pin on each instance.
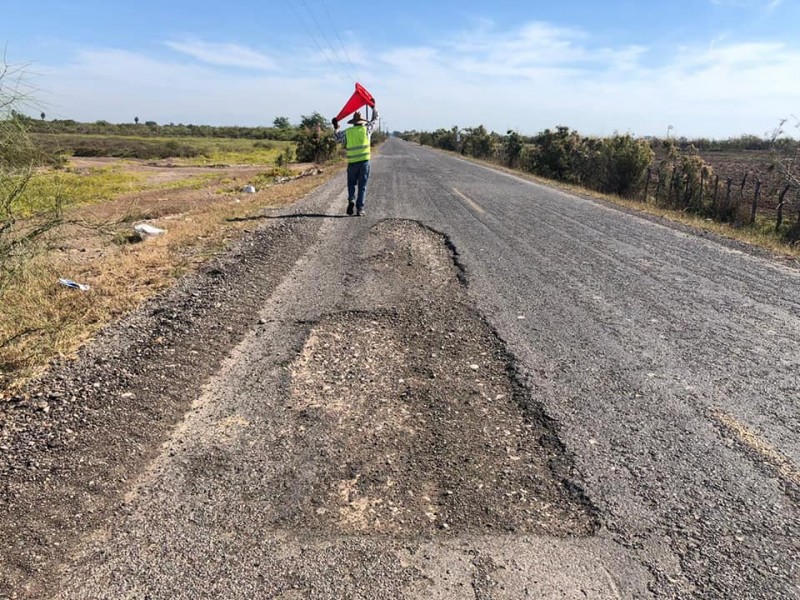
(195, 182)
(262, 179)
(74, 188)
(125, 238)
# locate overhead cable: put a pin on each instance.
(316, 42)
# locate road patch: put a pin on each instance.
(409, 419)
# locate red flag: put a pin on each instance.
(359, 98)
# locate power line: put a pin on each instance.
(322, 31)
(314, 39)
(341, 43)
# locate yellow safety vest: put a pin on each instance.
(357, 143)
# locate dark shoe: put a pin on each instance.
(361, 212)
(350, 207)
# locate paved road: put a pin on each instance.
(658, 370)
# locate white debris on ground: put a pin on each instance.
(249, 189)
(74, 285)
(146, 231)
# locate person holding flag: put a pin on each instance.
(356, 140)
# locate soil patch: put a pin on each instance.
(410, 420)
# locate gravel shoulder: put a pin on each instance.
(72, 441)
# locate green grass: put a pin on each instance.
(94, 186)
(72, 189)
(239, 152)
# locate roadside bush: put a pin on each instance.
(477, 142)
(623, 162)
(512, 147)
(315, 145)
(558, 153)
(682, 179)
(286, 157)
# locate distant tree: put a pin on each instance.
(281, 123)
(136, 120)
(44, 116)
(313, 120)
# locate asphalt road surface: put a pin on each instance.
(485, 388)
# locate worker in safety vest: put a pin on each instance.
(356, 140)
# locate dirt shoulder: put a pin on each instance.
(71, 440)
(99, 247)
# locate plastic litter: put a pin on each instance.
(145, 230)
(74, 285)
(249, 189)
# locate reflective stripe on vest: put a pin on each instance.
(357, 140)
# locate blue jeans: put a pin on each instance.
(357, 174)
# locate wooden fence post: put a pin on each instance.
(658, 185)
(715, 208)
(756, 196)
(779, 218)
(671, 185)
(728, 196)
(647, 183)
(702, 188)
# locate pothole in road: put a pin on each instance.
(409, 421)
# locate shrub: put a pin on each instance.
(286, 157)
(512, 149)
(682, 179)
(477, 142)
(623, 162)
(315, 145)
(22, 230)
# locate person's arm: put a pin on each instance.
(371, 123)
(337, 133)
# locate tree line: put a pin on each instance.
(669, 172)
(281, 129)
(313, 134)
(614, 165)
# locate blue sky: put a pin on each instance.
(714, 68)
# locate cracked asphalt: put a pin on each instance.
(485, 388)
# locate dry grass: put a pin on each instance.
(41, 320)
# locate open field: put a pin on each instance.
(756, 165)
(201, 208)
(180, 150)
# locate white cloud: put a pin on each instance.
(226, 55)
(533, 77)
(538, 76)
(117, 85)
(766, 5)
